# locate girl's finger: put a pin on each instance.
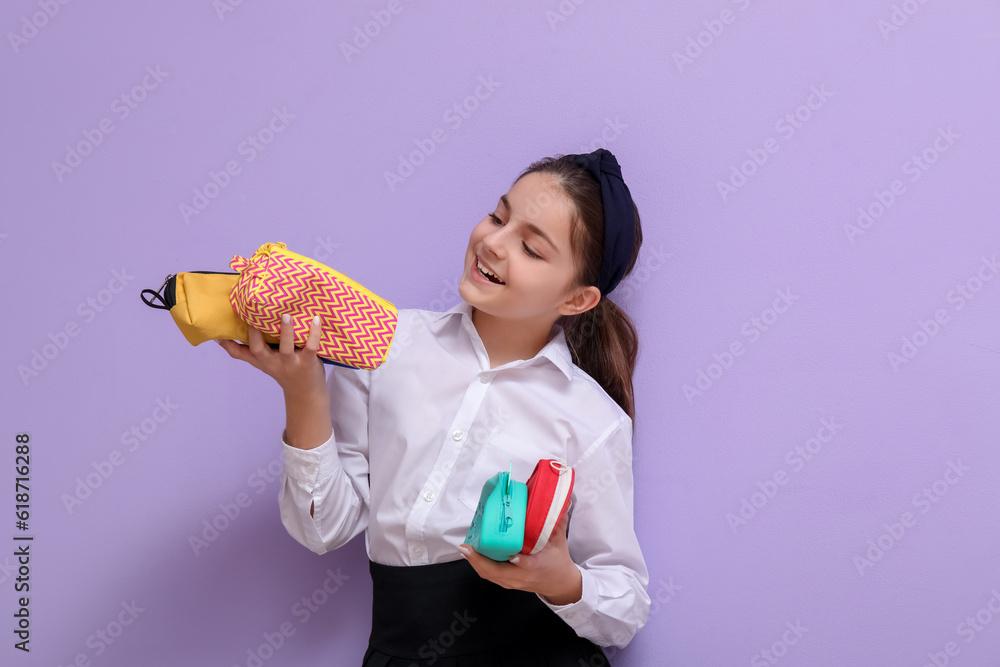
(229, 347)
(487, 568)
(255, 341)
(238, 351)
(286, 337)
(560, 530)
(315, 334)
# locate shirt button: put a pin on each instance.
(484, 377)
(457, 435)
(417, 551)
(429, 496)
(310, 468)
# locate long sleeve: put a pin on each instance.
(603, 544)
(334, 476)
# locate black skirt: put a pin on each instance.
(446, 615)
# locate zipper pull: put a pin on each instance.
(157, 295)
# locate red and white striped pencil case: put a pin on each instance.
(549, 489)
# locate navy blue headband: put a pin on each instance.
(619, 215)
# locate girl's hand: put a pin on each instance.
(298, 372)
(550, 572)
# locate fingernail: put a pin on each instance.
(515, 560)
(464, 550)
(285, 319)
(315, 319)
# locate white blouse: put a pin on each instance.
(415, 439)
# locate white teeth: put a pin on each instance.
(487, 271)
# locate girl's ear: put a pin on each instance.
(583, 300)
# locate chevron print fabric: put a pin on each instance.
(358, 325)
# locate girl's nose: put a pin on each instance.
(494, 242)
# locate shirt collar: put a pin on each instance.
(556, 350)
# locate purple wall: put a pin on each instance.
(818, 302)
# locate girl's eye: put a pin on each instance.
(527, 250)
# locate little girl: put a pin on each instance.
(534, 362)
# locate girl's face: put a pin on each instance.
(525, 243)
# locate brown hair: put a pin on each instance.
(603, 341)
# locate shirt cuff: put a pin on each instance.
(309, 466)
(578, 614)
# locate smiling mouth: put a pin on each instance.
(483, 272)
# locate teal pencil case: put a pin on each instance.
(497, 529)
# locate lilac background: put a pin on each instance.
(606, 75)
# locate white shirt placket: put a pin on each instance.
(455, 440)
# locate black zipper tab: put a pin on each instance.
(168, 302)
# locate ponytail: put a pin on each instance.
(602, 341)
